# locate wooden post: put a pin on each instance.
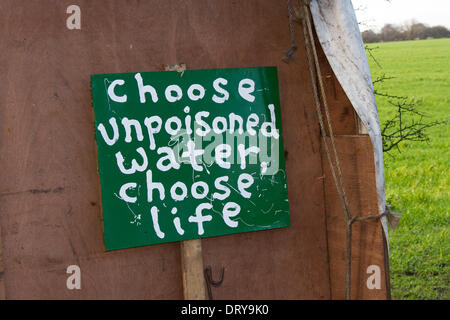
(191, 250)
(192, 269)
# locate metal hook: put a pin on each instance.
(210, 281)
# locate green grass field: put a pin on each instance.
(417, 177)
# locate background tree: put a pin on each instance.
(370, 36)
(390, 33)
(412, 30)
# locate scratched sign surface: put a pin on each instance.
(189, 155)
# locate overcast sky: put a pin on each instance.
(373, 14)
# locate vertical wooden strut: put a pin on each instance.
(192, 269)
(191, 250)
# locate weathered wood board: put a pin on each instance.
(50, 216)
(356, 155)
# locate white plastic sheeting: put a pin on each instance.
(338, 32)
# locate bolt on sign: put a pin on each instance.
(189, 155)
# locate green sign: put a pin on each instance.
(189, 155)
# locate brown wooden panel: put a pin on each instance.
(49, 209)
(356, 157)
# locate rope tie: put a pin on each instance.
(393, 218)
